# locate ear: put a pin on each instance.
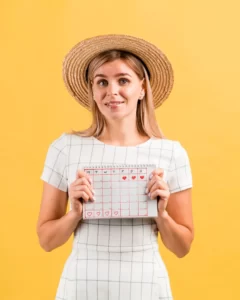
(142, 94)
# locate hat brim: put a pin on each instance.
(76, 63)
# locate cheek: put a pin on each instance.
(130, 93)
(98, 95)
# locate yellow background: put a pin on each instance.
(201, 38)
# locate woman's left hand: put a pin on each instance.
(158, 188)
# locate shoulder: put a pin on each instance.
(75, 139)
(179, 154)
(60, 141)
(167, 144)
(68, 139)
(173, 149)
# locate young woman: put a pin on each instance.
(121, 79)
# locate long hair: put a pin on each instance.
(146, 120)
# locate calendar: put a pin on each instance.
(120, 192)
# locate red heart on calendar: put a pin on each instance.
(98, 213)
(116, 213)
(107, 213)
(142, 177)
(133, 177)
(89, 214)
(124, 177)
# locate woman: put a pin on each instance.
(121, 79)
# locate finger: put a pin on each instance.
(158, 172)
(85, 196)
(158, 184)
(81, 194)
(162, 205)
(152, 182)
(164, 194)
(85, 189)
(82, 181)
(155, 175)
(81, 173)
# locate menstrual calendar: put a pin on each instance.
(120, 192)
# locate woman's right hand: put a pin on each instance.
(80, 190)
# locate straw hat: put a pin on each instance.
(76, 62)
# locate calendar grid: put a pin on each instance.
(120, 192)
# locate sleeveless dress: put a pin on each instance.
(115, 259)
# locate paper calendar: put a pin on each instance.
(120, 192)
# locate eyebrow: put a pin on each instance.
(117, 75)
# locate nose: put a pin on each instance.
(112, 89)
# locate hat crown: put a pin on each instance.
(77, 60)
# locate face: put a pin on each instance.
(116, 90)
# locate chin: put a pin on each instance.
(115, 116)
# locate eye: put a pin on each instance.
(123, 81)
(102, 82)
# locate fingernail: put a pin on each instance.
(146, 191)
(149, 195)
(90, 180)
(150, 177)
(93, 191)
(94, 198)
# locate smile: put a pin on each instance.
(114, 104)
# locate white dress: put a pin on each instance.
(115, 259)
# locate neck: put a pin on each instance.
(123, 133)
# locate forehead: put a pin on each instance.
(114, 67)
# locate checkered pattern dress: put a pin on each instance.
(114, 259)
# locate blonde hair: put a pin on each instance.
(146, 119)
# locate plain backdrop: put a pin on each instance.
(201, 39)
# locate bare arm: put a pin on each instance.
(176, 223)
(54, 226)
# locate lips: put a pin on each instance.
(114, 103)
